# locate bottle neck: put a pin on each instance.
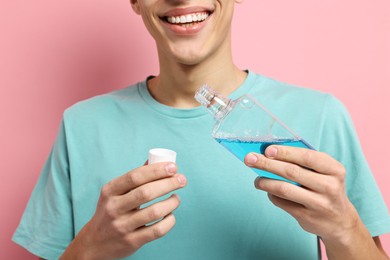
(217, 105)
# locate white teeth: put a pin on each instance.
(198, 17)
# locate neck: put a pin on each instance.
(176, 84)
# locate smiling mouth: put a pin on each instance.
(187, 20)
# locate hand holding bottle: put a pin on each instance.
(320, 205)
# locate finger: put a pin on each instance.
(153, 212)
(305, 177)
(287, 191)
(140, 176)
(150, 191)
(317, 161)
(147, 234)
(294, 209)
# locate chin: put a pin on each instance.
(189, 62)
(190, 57)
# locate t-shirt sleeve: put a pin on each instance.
(46, 227)
(340, 140)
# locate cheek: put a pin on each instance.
(149, 21)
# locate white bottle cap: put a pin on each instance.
(161, 155)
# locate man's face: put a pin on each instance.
(187, 31)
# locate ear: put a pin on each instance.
(135, 6)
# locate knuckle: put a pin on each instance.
(155, 213)
(330, 188)
(334, 189)
(284, 189)
(158, 231)
(131, 178)
(118, 228)
(106, 191)
(307, 157)
(110, 208)
(342, 172)
(263, 163)
(337, 167)
(133, 242)
(142, 195)
(283, 153)
(326, 208)
(293, 172)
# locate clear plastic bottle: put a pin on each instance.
(244, 125)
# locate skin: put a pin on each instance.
(321, 205)
(120, 225)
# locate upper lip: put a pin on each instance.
(186, 11)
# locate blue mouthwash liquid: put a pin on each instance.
(240, 148)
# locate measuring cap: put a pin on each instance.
(161, 155)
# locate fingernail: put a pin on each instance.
(271, 152)
(257, 182)
(176, 196)
(182, 180)
(171, 168)
(251, 158)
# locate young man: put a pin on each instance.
(98, 199)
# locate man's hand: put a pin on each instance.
(120, 226)
(320, 205)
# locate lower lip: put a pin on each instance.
(188, 29)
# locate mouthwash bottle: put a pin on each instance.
(244, 125)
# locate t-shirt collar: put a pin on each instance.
(189, 112)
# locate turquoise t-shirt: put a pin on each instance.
(222, 215)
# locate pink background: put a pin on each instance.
(54, 53)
